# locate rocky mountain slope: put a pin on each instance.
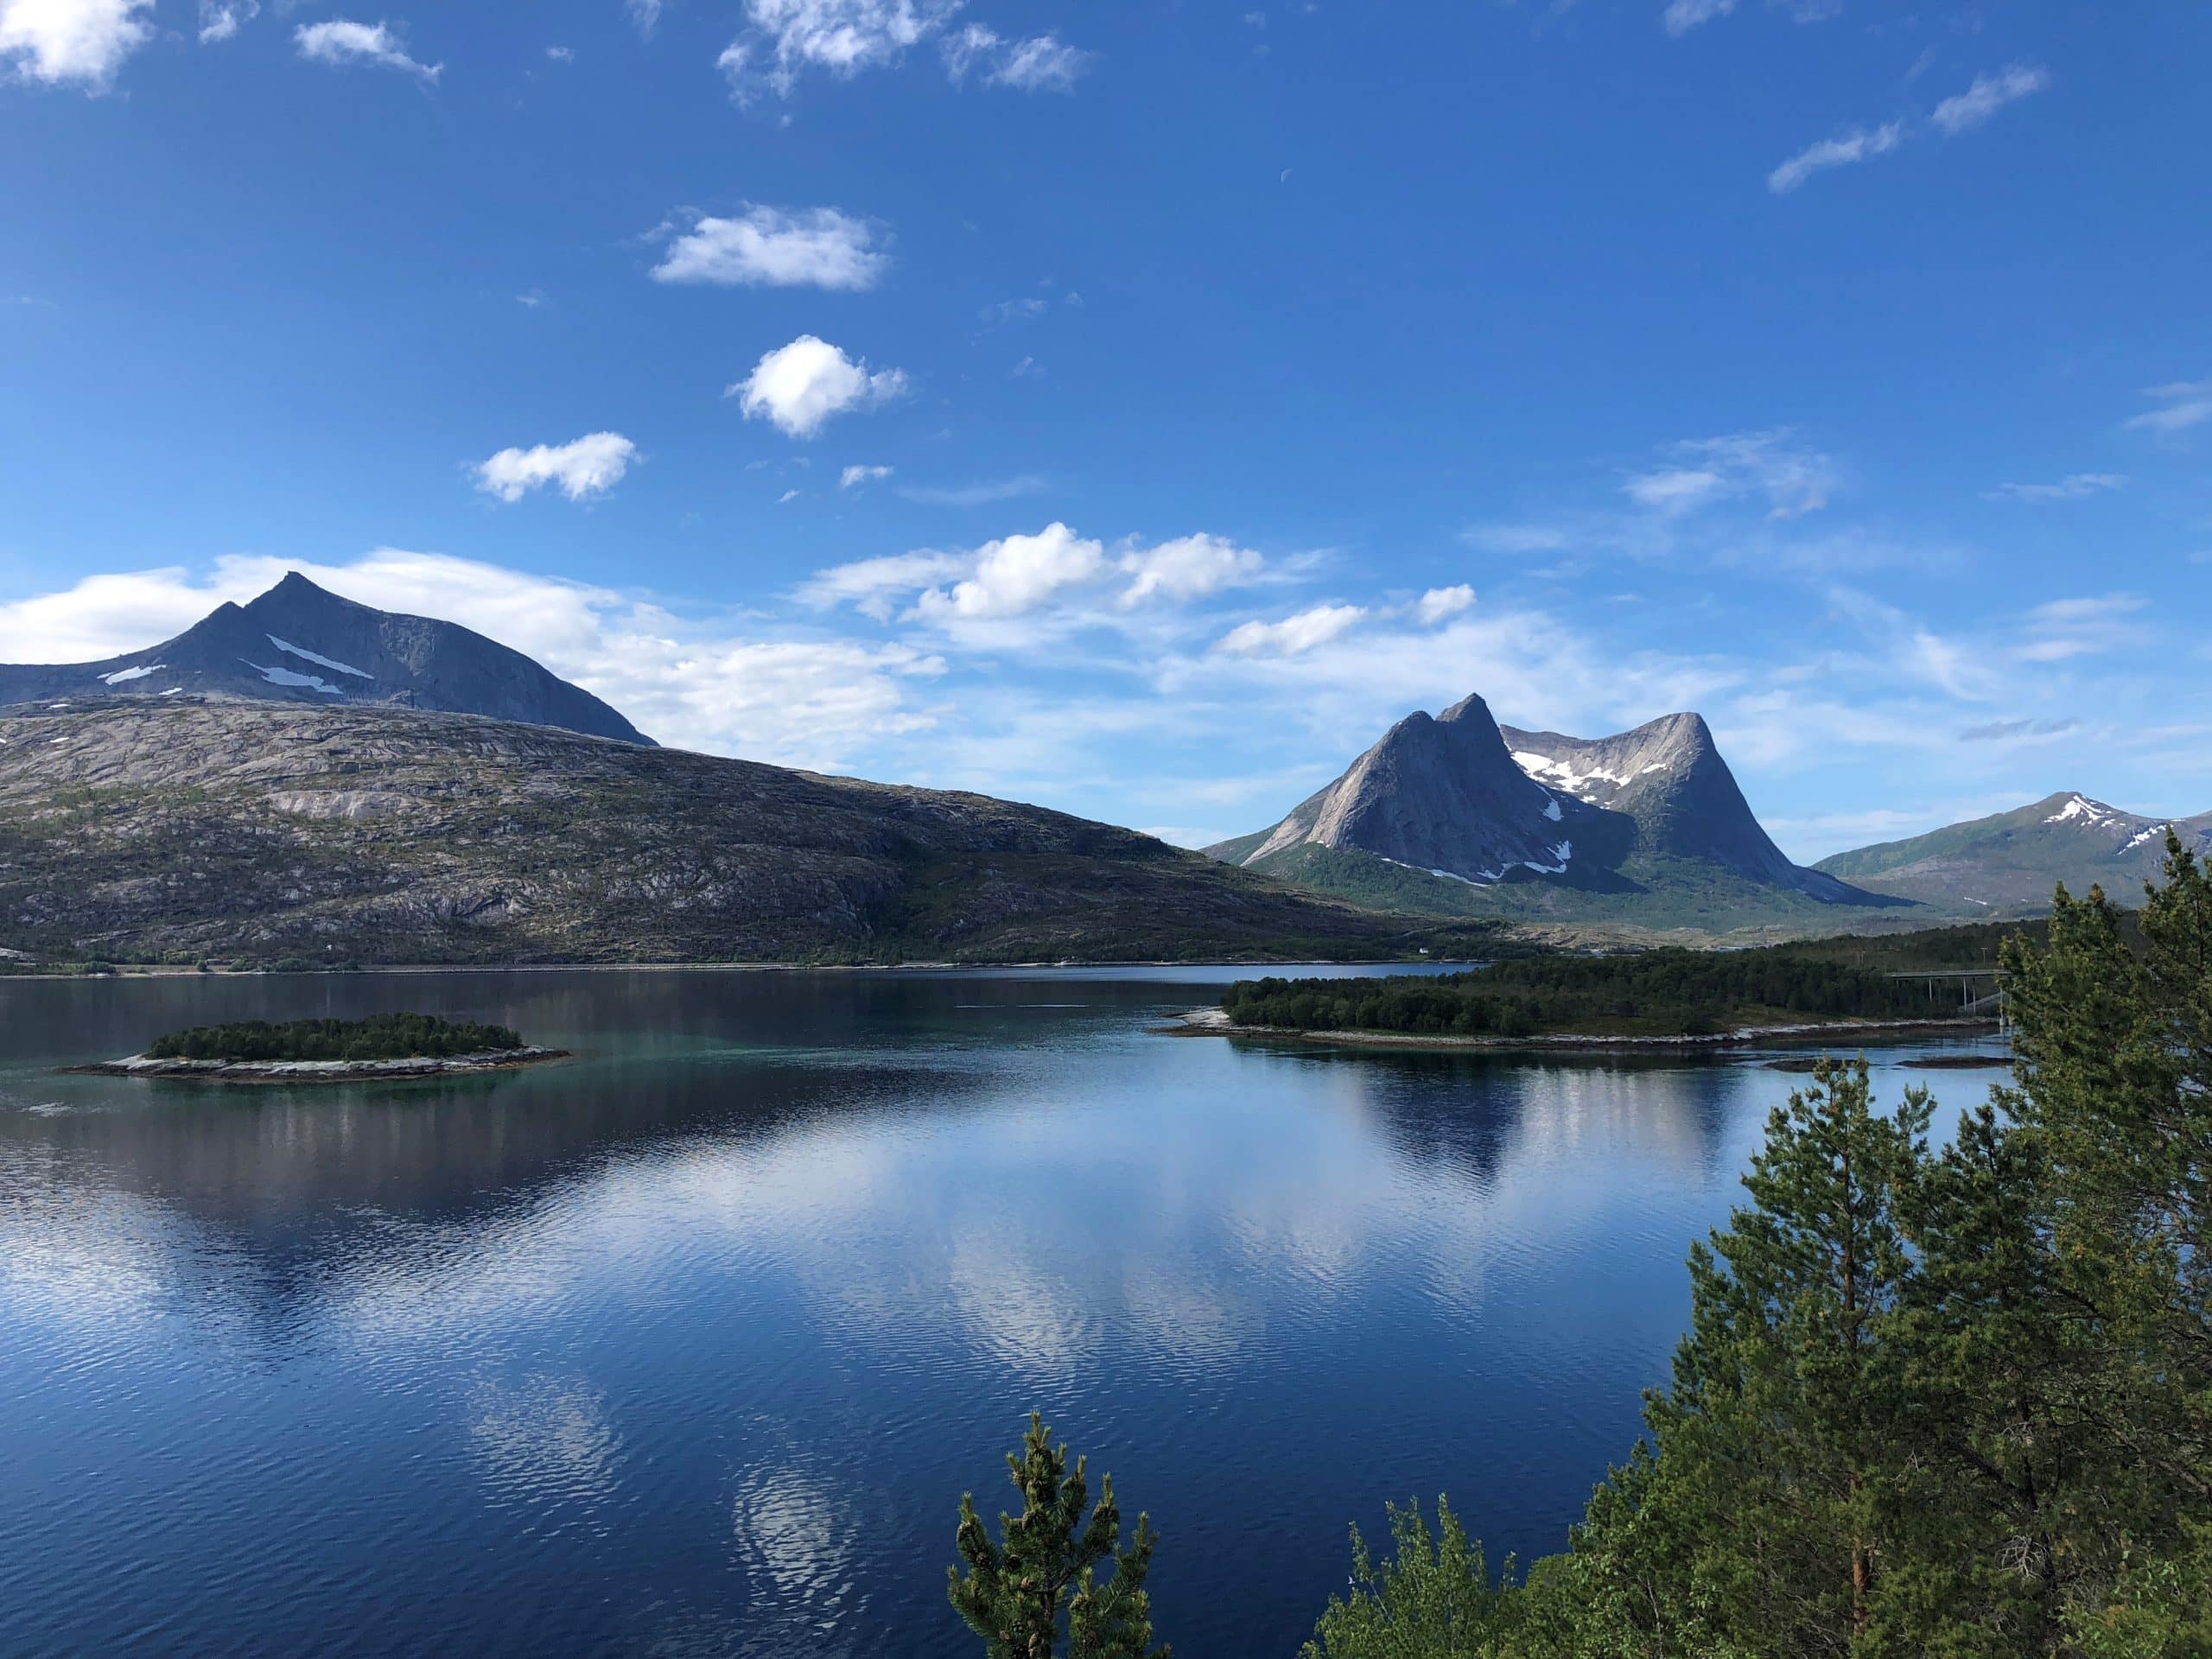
(297, 643)
(182, 827)
(1455, 816)
(2008, 864)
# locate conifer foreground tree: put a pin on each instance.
(1955, 1403)
(1017, 1592)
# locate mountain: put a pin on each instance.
(184, 827)
(297, 643)
(1456, 816)
(2008, 864)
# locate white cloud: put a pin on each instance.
(1043, 64)
(1857, 145)
(1988, 94)
(2073, 487)
(856, 475)
(768, 247)
(799, 387)
(877, 587)
(342, 42)
(1683, 16)
(644, 15)
(220, 19)
(1190, 567)
(785, 39)
(560, 54)
(1294, 635)
(2183, 404)
(1015, 575)
(788, 497)
(1518, 538)
(1792, 479)
(592, 465)
(1014, 310)
(1438, 603)
(81, 41)
(797, 700)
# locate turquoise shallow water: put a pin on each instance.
(691, 1344)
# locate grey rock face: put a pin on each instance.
(299, 643)
(1668, 776)
(1438, 794)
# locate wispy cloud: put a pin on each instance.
(1294, 635)
(341, 41)
(1989, 93)
(1792, 479)
(1860, 144)
(2075, 486)
(854, 476)
(785, 39)
(770, 247)
(2180, 404)
(980, 493)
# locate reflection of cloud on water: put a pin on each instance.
(798, 1541)
(82, 1254)
(1030, 1321)
(544, 1441)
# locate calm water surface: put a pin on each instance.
(689, 1345)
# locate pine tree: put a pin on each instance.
(1763, 1520)
(1017, 1592)
(1430, 1600)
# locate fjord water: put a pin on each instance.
(689, 1345)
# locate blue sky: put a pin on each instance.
(1133, 408)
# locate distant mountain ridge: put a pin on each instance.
(1455, 815)
(298, 643)
(2008, 864)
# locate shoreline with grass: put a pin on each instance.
(1216, 1022)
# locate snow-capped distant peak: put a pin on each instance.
(317, 658)
(121, 675)
(2082, 808)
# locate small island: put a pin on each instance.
(381, 1046)
(1660, 999)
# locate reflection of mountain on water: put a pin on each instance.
(1470, 1115)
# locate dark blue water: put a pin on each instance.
(690, 1345)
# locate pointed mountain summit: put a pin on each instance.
(1455, 815)
(1439, 794)
(2009, 862)
(1668, 776)
(298, 643)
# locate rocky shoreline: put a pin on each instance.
(1215, 1022)
(503, 1060)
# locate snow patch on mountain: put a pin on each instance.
(2141, 835)
(304, 654)
(285, 677)
(2091, 813)
(122, 675)
(1547, 770)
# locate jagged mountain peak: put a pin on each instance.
(298, 642)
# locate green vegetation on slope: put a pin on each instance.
(381, 1037)
(1951, 1400)
(1653, 992)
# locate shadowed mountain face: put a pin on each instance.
(1457, 815)
(1668, 778)
(2008, 864)
(298, 644)
(186, 827)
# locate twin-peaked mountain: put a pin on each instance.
(297, 643)
(1454, 815)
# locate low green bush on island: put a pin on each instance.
(381, 1037)
(1654, 993)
